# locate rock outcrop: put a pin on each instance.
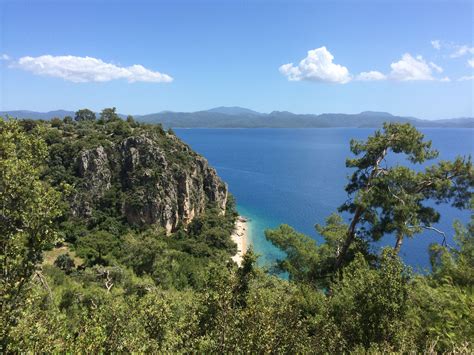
(160, 180)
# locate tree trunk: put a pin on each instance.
(351, 231)
(349, 239)
(398, 243)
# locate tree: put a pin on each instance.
(456, 265)
(109, 115)
(84, 115)
(306, 261)
(371, 305)
(96, 246)
(391, 199)
(68, 120)
(28, 207)
(245, 274)
(56, 122)
(131, 121)
(444, 299)
(65, 263)
(302, 257)
(141, 252)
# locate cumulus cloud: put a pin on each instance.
(4, 57)
(87, 69)
(470, 62)
(408, 68)
(317, 66)
(411, 68)
(436, 44)
(371, 76)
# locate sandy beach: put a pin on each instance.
(239, 236)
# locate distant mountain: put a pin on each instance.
(285, 119)
(37, 115)
(234, 110)
(238, 117)
(43, 115)
(376, 114)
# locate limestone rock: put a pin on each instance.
(161, 181)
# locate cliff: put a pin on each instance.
(139, 174)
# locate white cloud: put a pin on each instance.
(466, 78)
(317, 66)
(87, 69)
(4, 57)
(371, 76)
(436, 67)
(410, 68)
(470, 62)
(436, 44)
(461, 51)
(457, 50)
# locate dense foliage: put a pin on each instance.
(105, 285)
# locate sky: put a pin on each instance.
(409, 58)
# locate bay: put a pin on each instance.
(297, 177)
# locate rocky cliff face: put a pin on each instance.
(158, 180)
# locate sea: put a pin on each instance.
(297, 177)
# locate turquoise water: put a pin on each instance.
(297, 177)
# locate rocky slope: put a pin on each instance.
(154, 178)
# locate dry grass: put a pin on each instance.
(50, 256)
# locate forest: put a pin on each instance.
(93, 260)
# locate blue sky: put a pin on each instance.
(194, 55)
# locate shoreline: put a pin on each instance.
(240, 237)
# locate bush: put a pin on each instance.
(65, 263)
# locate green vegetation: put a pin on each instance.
(389, 200)
(109, 285)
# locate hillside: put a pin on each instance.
(123, 176)
(115, 237)
(238, 117)
(152, 176)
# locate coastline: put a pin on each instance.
(240, 237)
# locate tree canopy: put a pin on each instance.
(84, 115)
(28, 208)
(388, 199)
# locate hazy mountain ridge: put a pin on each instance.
(234, 110)
(238, 117)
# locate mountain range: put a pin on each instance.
(239, 117)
